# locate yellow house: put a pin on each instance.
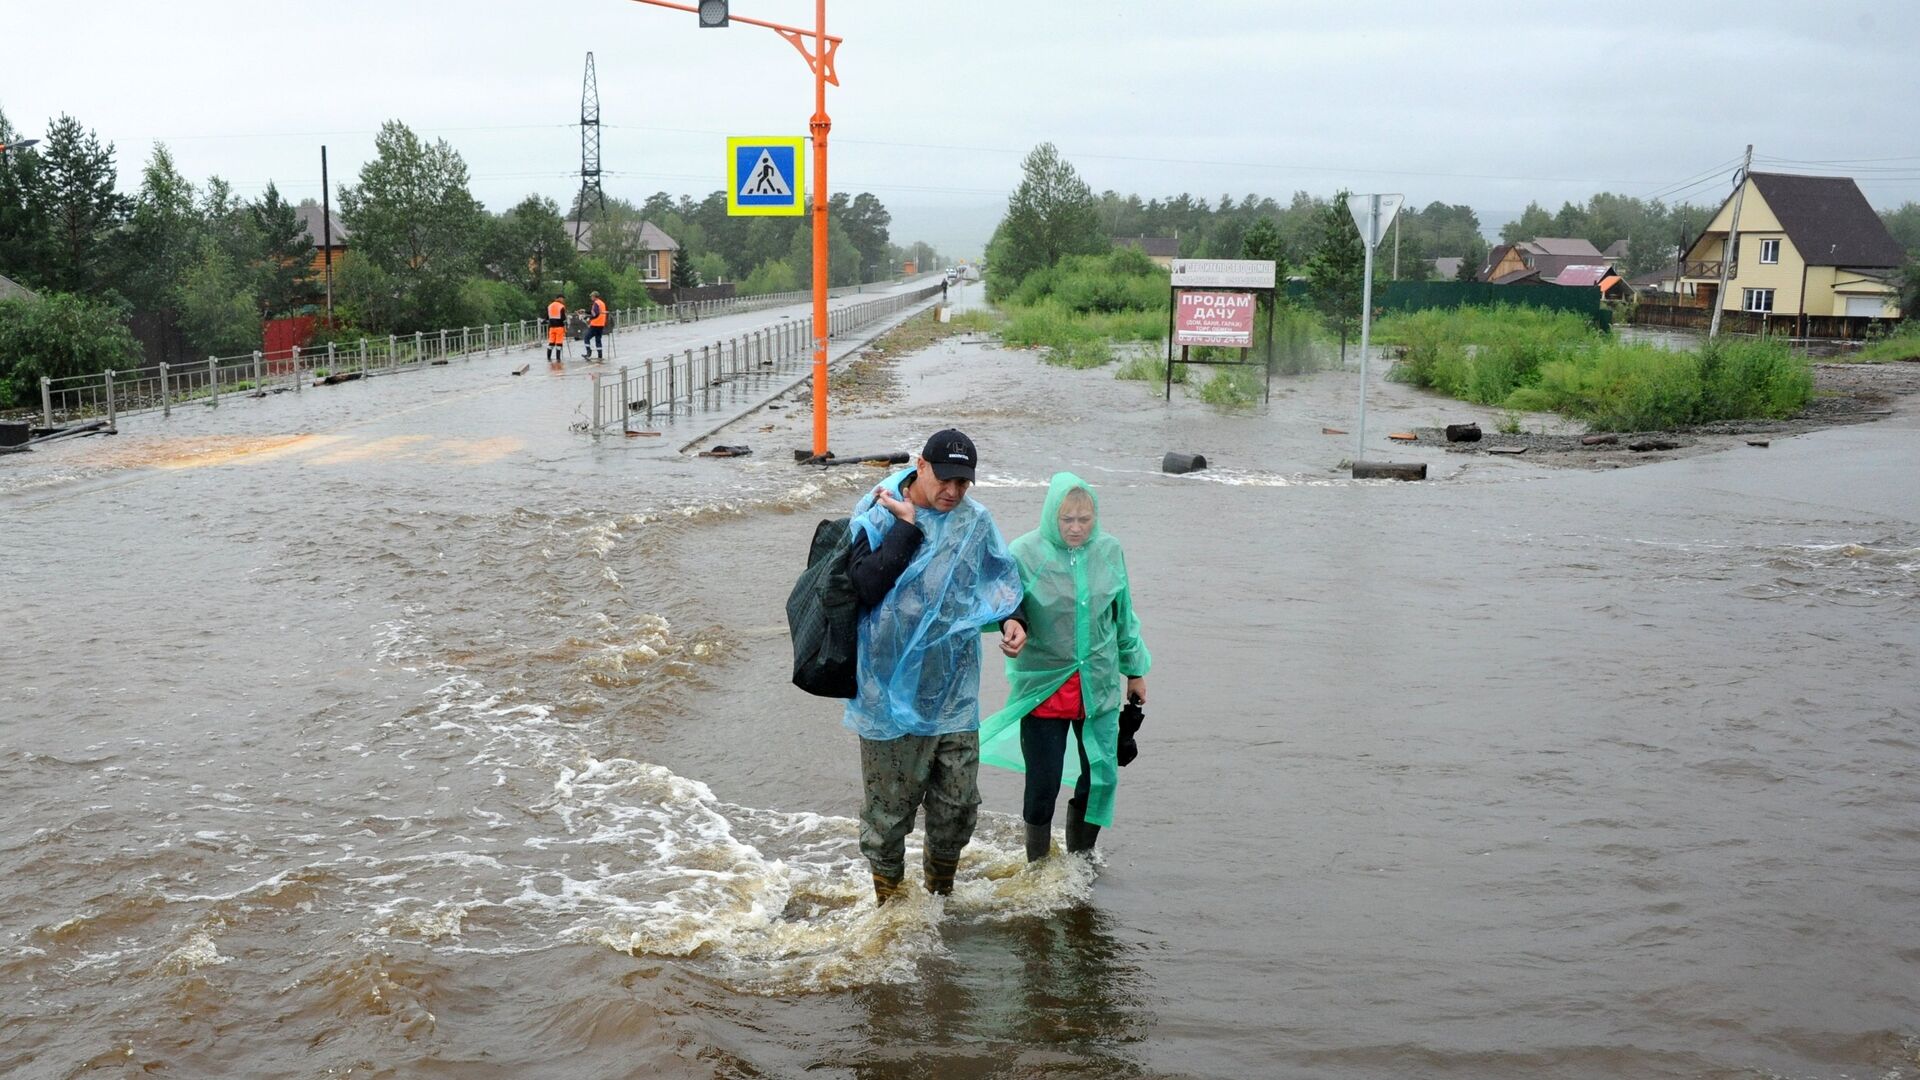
(1807, 248)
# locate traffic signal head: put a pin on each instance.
(713, 13)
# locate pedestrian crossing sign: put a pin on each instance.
(766, 175)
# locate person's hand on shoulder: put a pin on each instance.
(900, 508)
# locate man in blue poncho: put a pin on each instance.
(931, 573)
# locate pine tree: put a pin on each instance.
(286, 254)
(83, 206)
(1049, 215)
(1336, 271)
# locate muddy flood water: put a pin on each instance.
(398, 731)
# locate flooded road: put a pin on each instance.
(408, 733)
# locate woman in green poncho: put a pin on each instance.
(1082, 642)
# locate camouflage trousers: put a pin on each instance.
(899, 775)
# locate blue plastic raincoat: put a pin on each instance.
(919, 668)
(1079, 613)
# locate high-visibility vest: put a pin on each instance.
(599, 313)
(557, 313)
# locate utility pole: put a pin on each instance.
(326, 231)
(1727, 252)
(590, 192)
(1396, 247)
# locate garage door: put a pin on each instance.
(1867, 306)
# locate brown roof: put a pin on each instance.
(1560, 245)
(1552, 265)
(1516, 277)
(1829, 220)
(650, 236)
(1156, 247)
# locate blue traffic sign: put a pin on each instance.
(766, 175)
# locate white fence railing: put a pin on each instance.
(666, 384)
(162, 387)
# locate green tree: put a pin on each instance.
(772, 276)
(1050, 214)
(228, 220)
(1336, 271)
(56, 336)
(84, 208)
(413, 219)
(163, 235)
(285, 255)
(1904, 224)
(1262, 241)
(26, 228)
(685, 274)
(710, 267)
(866, 221)
(1533, 221)
(1470, 265)
(531, 246)
(216, 310)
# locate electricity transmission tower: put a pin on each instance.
(590, 193)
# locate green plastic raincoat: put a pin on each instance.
(1079, 613)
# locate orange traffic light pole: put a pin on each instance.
(820, 60)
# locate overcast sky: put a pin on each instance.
(1486, 103)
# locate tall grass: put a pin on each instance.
(1535, 360)
(1902, 344)
(1078, 308)
(1076, 339)
(1481, 354)
(1150, 367)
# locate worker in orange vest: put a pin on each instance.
(596, 326)
(557, 331)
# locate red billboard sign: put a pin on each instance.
(1212, 317)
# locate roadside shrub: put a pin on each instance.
(58, 335)
(1744, 378)
(1536, 360)
(492, 302)
(1123, 280)
(1150, 367)
(1069, 341)
(1622, 388)
(1234, 386)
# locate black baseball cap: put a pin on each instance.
(951, 454)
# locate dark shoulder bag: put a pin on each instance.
(823, 617)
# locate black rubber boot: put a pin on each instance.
(1080, 835)
(1039, 841)
(940, 874)
(885, 888)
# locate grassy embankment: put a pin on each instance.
(1090, 310)
(1902, 344)
(1533, 360)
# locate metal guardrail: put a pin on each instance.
(162, 387)
(662, 385)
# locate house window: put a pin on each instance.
(1769, 251)
(653, 265)
(1757, 300)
